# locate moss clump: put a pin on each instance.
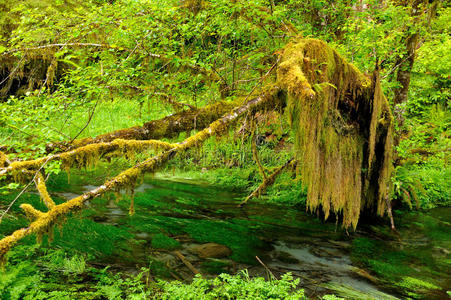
(161, 241)
(416, 287)
(343, 126)
(3, 159)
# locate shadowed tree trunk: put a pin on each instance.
(406, 61)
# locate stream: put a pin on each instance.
(181, 216)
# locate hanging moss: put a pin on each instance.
(343, 130)
(3, 160)
(42, 189)
(86, 156)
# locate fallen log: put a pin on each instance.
(186, 262)
(167, 127)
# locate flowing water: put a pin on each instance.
(177, 216)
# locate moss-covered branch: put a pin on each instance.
(268, 99)
(3, 160)
(42, 189)
(87, 155)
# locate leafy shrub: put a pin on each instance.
(232, 287)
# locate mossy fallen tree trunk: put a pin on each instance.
(167, 127)
(343, 130)
(44, 221)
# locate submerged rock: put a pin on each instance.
(286, 257)
(211, 250)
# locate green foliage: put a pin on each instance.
(423, 186)
(26, 280)
(57, 261)
(286, 191)
(375, 33)
(22, 278)
(233, 287)
(432, 70)
(422, 176)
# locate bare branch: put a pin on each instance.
(268, 181)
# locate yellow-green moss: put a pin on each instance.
(42, 189)
(31, 212)
(86, 156)
(329, 103)
(3, 159)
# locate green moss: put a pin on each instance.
(161, 241)
(416, 284)
(170, 225)
(416, 288)
(435, 228)
(362, 249)
(142, 223)
(152, 199)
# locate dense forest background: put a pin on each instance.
(74, 70)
